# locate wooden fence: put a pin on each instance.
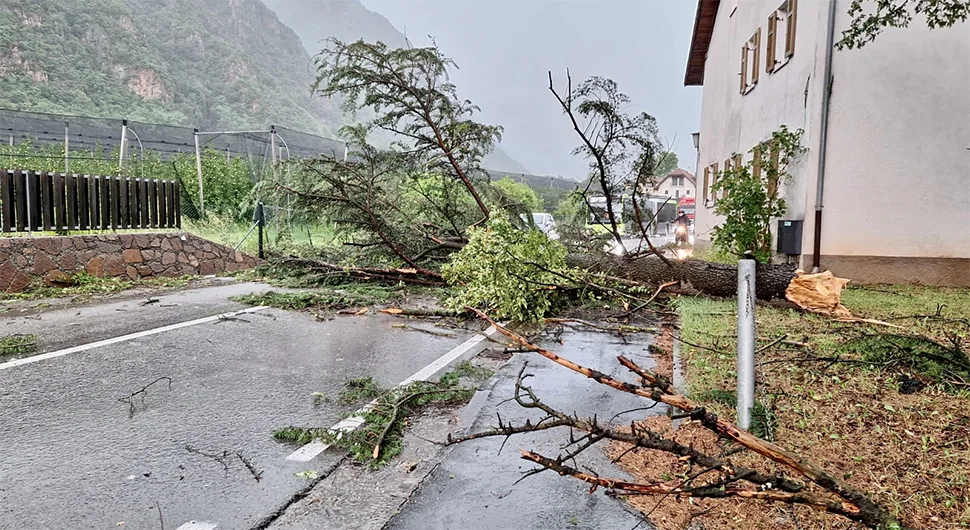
(43, 201)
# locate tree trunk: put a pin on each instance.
(715, 279)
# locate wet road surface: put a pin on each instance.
(75, 457)
(473, 487)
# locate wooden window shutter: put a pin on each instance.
(707, 183)
(790, 28)
(770, 47)
(772, 184)
(756, 162)
(744, 67)
(756, 52)
(713, 181)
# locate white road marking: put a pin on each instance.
(123, 338)
(310, 451)
(197, 525)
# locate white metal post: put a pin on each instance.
(746, 341)
(124, 141)
(275, 158)
(198, 171)
(67, 147)
(30, 216)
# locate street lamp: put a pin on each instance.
(696, 137)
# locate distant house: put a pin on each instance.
(883, 192)
(678, 183)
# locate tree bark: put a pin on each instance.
(715, 279)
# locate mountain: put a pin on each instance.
(212, 64)
(348, 20)
(314, 21)
(205, 63)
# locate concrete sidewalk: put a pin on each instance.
(473, 487)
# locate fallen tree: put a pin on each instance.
(715, 279)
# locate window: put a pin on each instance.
(666, 192)
(676, 194)
(749, 62)
(781, 31)
(687, 192)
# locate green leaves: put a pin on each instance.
(869, 22)
(411, 95)
(506, 272)
(748, 196)
(518, 196)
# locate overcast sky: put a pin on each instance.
(505, 47)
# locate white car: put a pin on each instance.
(546, 223)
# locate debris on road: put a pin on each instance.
(143, 391)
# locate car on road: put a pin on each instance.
(546, 223)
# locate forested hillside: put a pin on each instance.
(314, 21)
(208, 63)
(212, 64)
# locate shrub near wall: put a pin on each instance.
(130, 256)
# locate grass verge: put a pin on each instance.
(87, 286)
(17, 345)
(886, 408)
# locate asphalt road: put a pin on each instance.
(474, 487)
(72, 456)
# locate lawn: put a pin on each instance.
(887, 408)
(231, 233)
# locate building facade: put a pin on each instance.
(678, 183)
(885, 197)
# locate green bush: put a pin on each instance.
(518, 195)
(750, 198)
(506, 271)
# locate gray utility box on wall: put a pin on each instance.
(789, 237)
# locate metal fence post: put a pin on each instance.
(260, 222)
(123, 148)
(30, 214)
(67, 147)
(198, 171)
(746, 340)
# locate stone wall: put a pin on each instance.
(129, 256)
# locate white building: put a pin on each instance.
(895, 167)
(678, 183)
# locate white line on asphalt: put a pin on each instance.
(311, 450)
(197, 525)
(123, 338)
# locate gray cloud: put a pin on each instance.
(505, 47)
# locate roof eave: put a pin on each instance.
(700, 41)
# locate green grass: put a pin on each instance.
(297, 237)
(87, 286)
(713, 323)
(18, 344)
